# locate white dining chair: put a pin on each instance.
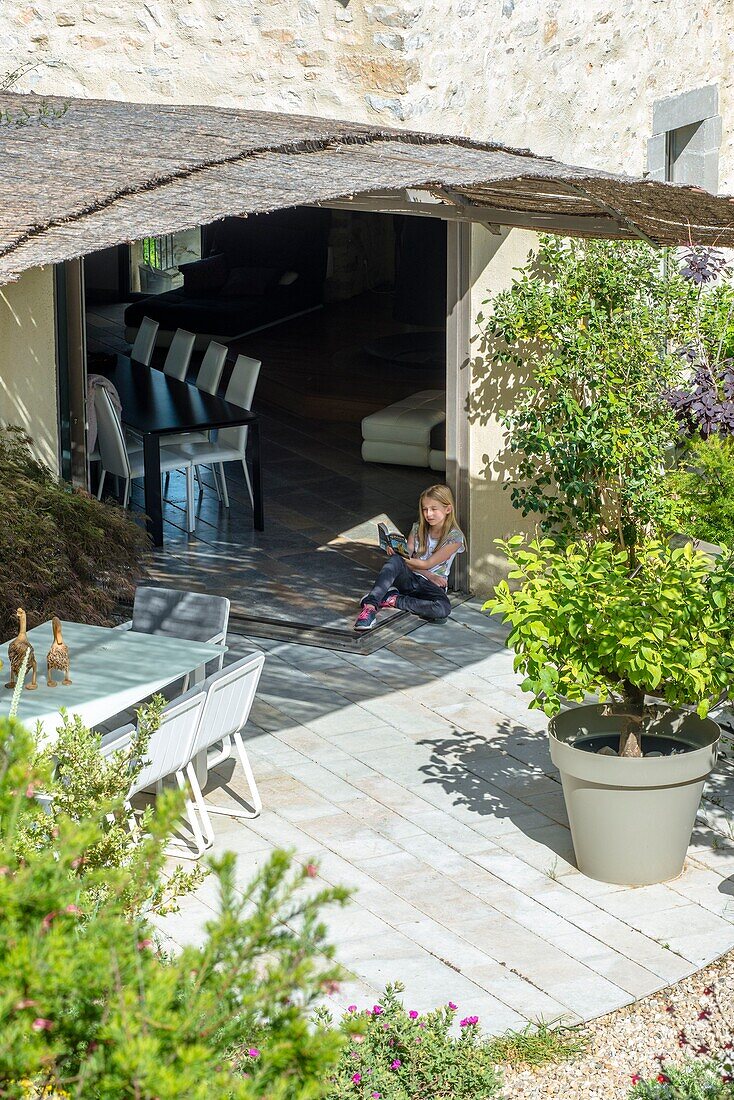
(116, 458)
(178, 357)
(168, 754)
(231, 443)
(176, 613)
(207, 380)
(142, 349)
(229, 698)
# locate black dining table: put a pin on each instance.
(156, 406)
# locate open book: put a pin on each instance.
(392, 540)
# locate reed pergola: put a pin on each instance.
(102, 173)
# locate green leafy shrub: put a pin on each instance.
(89, 1007)
(63, 552)
(697, 1080)
(593, 619)
(394, 1054)
(584, 329)
(704, 487)
(81, 784)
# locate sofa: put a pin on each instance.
(411, 432)
(255, 272)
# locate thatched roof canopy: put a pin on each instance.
(107, 172)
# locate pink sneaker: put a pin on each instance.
(366, 618)
(391, 600)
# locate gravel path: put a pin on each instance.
(692, 1017)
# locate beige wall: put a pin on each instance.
(493, 258)
(28, 360)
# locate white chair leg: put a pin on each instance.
(102, 476)
(224, 753)
(248, 482)
(166, 482)
(190, 523)
(126, 497)
(215, 475)
(201, 806)
(225, 494)
(192, 813)
(257, 805)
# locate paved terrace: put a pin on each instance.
(418, 776)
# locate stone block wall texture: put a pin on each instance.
(573, 80)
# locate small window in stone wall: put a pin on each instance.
(686, 139)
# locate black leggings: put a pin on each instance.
(417, 594)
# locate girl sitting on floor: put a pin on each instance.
(418, 583)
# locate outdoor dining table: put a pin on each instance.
(156, 406)
(111, 671)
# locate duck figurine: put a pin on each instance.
(17, 650)
(58, 656)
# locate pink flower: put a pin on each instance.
(253, 1052)
(352, 1008)
(469, 1021)
(635, 1078)
(144, 945)
(376, 1095)
(311, 870)
(396, 1064)
(356, 1077)
(413, 1014)
(72, 909)
(41, 1025)
(377, 1010)
(24, 1004)
(452, 1006)
(46, 922)
(663, 1080)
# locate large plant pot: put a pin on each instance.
(631, 818)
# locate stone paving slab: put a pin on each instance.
(418, 777)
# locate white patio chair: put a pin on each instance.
(207, 380)
(229, 697)
(171, 612)
(169, 753)
(142, 349)
(231, 443)
(117, 458)
(179, 354)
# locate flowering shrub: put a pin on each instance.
(694, 1081)
(394, 1054)
(90, 1007)
(705, 1075)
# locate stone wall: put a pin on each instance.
(575, 81)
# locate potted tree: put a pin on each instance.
(648, 634)
(605, 606)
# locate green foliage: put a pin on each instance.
(594, 619)
(88, 1005)
(703, 485)
(81, 784)
(64, 553)
(696, 1080)
(585, 328)
(537, 1046)
(399, 1055)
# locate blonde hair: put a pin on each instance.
(443, 496)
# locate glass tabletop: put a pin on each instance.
(111, 670)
